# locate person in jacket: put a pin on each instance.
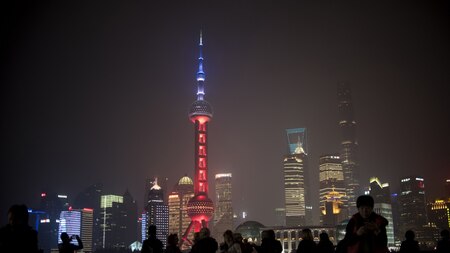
(410, 245)
(366, 230)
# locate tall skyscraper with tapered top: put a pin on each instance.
(349, 146)
(294, 187)
(200, 208)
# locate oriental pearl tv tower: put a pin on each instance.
(200, 208)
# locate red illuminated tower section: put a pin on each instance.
(200, 208)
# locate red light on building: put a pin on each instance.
(88, 209)
(43, 194)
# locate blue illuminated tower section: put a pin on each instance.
(200, 208)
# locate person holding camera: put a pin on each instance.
(66, 246)
(366, 230)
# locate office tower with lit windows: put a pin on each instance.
(223, 215)
(178, 199)
(52, 205)
(77, 222)
(412, 205)
(157, 213)
(200, 207)
(349, 146)
(89, 198)
(294, 187)
(439, 213)
(381, 194)
(118, 221)
(331, 190)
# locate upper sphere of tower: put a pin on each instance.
(185, 181)
(200, 108)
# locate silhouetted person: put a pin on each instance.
(410, 245)
(66, 246)
(307, 244)
(341, 246)
(325, 245)
(172, 244)
(230, 245)
(17, 236)
(152, 244)
(366, 230)
(246, 246)
(268, 243)
(205, 244)
(443, 245)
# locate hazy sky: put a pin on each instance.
(99, 91)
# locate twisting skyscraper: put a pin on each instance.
(349, 145)
(200, 207)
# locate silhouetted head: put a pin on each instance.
(228, 236)
(237, 237)
(65, 237)
(196, 237)
(324, 236)
(409, 235)
(152, 230)
(271, 234)
(445, 234)
(18, 215)
(307, 234)
(204, 232)
(365, 205)
(172, 239)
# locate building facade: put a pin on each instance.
(349, 146)
(223, 214)
(333, 201)
(412, 205)
(78, 222)
(178, 199)
(294, 187)
(157, 213)
(382, 196)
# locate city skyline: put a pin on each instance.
(107, 101)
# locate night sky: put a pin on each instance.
(99, 91)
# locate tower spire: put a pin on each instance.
(200, 73)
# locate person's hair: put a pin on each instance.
(172, 239)
(237, 237)
(19, 214)
(364, 200)
(151, 230)
(409, 235)
(64, 237)
(324, 236)
(445, 233)
(307, 234)
(228, 234)
(271, 234)
(204, 232)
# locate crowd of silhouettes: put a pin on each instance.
(365, 233)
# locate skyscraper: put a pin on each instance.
(381, 194)
(412, 205)
(223, 215)
(331, 190)
(52, 204)
(178, 199)
(157, 212)
(200, 207)
(294, 187)
(439, 213)
(349, 146)
(118, 221)
(77, 222)
(90, 199)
